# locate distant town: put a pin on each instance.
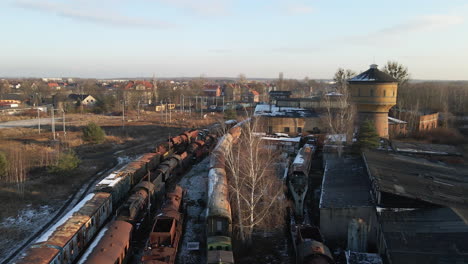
(366, 167)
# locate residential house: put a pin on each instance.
(212, 90)
(82, 99)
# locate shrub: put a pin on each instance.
(230, 114)
(3, 165)
(368, 137)
(67, 162)
(93, 133)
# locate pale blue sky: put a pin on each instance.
(123, 38)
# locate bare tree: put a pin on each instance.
(339, 113)
(256, 192)
(341, 79)
(397, 71)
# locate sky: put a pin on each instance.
(224, 38)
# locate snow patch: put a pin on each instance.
(75, 209)
(26, 217)
(93, 245)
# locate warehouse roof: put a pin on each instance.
(275, 111)
(345, 183)
(435, 235)
(418, 178)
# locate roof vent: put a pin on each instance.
(374, 66)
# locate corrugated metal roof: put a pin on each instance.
(418, 178)
(434, 235)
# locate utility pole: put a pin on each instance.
(170, 113)
(138, 111)
(223, 104)
(53, 123)
(63, 122)
(123, 113)
(38, 120)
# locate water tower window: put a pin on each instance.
(385, 93)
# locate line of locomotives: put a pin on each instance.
(134, 187)
(307, 239)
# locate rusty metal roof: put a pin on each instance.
(63, 233)
(111, 245)
(38, 255)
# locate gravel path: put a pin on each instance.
(29, 122)
(195, 182)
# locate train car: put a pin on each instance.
(310, 248)
(298, 180)
(166, 233)
(167, 166)
(219, 221)
(73, 232)
(111, 245)
(132, 208)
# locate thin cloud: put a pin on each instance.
(417, 25)
(202, 7)
(299, 9)
(92, 16)
(425, 23)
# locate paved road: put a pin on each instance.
(28, 122)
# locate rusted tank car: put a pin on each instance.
(298, 179)
(111, 245)
(164, 239)
(309, 246)
(219, 221)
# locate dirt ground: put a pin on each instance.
(26, 207)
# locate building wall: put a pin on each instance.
(334, 224)
(418, 122)
(288, 125)
(428, 122)
(395, 130)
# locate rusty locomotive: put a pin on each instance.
(65, 241)
(166, 233)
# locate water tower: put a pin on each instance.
(374, 93)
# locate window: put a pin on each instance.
(286, 129)
(270, 130)
(299, 129)
(359, 91)
(385, 93)
(219, 225)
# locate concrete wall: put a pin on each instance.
(294, 125)
(334, 223)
